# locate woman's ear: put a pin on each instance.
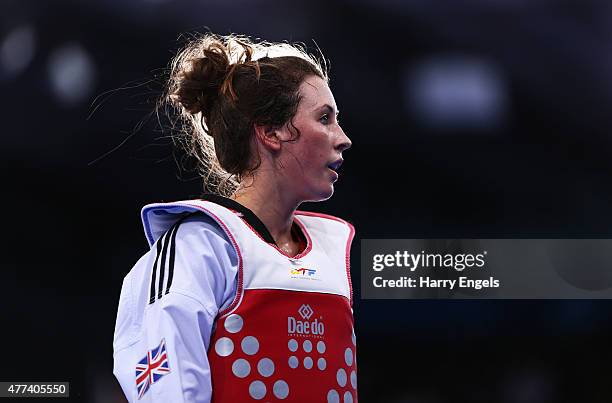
(269, 137)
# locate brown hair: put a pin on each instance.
(221, 87)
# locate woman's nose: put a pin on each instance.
(344, 143)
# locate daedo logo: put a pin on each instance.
(305, 327)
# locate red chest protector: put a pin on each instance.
(288, 335)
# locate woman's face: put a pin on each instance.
(309, 163)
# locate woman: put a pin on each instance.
(242, 297)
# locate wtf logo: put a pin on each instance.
(302, 271)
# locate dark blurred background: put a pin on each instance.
(469, 118)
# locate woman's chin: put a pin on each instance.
(329, 192)
(321, 194)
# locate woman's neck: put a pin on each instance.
(268, 204)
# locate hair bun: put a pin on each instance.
(199, 79)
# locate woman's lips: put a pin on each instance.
(334, 174)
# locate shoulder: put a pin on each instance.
(194, 257)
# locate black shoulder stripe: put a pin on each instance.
(172, 253)
(154, 269)
(169, 243)
(171, 259)
(165, 247)
(162, 266)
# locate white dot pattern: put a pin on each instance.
(233, 323)
(341, 377)
(257, 390)
(348, 357)
(333, 396)
(265, 367)
(280, 389)
(241, 368)
(293, 362)
(224, 346)
(307, 345)
(321, 347)
(250, 345)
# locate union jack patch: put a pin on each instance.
(151, 368)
